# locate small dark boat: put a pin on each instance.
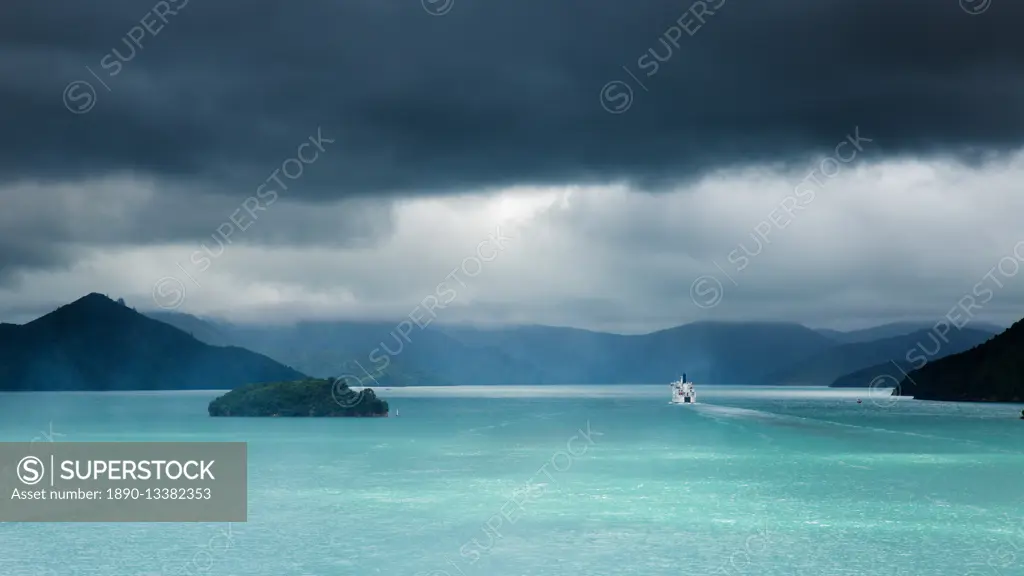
(1022, 414)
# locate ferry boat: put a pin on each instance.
(683, 392)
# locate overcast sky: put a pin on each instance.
(637, 164)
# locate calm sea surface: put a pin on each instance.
(608, 480)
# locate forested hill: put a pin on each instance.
(993, 371)
(95, 343)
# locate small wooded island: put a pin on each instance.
(311, 397)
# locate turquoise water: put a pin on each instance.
(751, 481)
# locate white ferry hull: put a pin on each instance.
(683, 392)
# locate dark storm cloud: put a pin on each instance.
(45, 225)
(496, 93)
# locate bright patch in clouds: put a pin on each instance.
(882, 241)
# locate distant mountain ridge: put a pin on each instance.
(824, 368)
(711, 352)
(207, 331)
(95, 343)
(898, 329)
(331, 349)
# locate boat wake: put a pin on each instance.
(826, 426)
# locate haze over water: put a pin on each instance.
(750, 481)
